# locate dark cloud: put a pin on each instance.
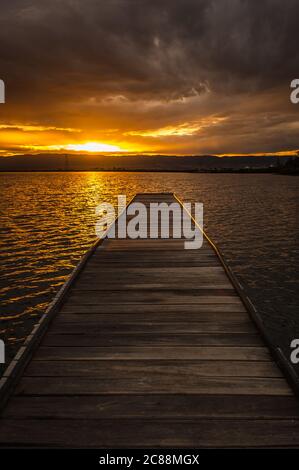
(147, 47)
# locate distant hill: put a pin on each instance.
(58, 162)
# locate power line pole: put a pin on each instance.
(66, 163)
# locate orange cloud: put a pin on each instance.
(185, 129)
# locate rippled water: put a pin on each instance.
(48, 222)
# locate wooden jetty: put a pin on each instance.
(149, 345)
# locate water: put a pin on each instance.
(48, 222)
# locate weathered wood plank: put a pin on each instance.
(165, 255)
(192, 311)
(146, 245)
(80, 297)
(151, 433)
(152, 384)
(153, 274)
(102, 256)
(148, 339)
(116, 324)
(142, 369)
(154, 262)
(98, 279)
(152, 353)
(164, 259)
(152, 406)
(150, 274)
(194, 286)
(105, 285)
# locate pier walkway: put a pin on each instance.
(148, 345)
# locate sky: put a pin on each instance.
(185, 77)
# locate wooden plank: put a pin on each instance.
(152, 384)
(166, 251)
(142, 369)
(146, 245)
(148, 339)
(156, 245)
(101, 280)
(191, 407)
(166, 255)
(116, 324)
(151, 433)
(105, 286)
(195, 282)
(156, 261)
(163, 259)
(80, 297)
(151, 353)
(160, 274)
(192, 311)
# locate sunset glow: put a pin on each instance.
(94, 147)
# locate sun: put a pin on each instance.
(94, 147)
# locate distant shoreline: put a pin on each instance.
(274, 171)
(150, 164)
